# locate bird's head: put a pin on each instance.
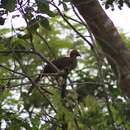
(74, 54)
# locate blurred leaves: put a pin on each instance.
(9, 5)
(44, 22)
(112, 3)
(2, 21)
(92, 101)
(43, 7)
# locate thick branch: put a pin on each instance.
(108, 37)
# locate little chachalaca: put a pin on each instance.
(65, 64)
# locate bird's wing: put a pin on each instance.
(61, 63)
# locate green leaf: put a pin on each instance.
(33, 24)
(25, 36)
(36, 122)
(61, 43)
(44, 22)
(4, 94)
(43, 7)
(9, 5)
(66, 0)
(65, 7)
(2, 21)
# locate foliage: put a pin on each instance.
(111, 3)
(93, 99)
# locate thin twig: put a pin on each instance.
(45, 41)
(28, 26)
(71, 25)
(48, 100)
(8, 69)
(32, 52)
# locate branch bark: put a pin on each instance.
(108, 38)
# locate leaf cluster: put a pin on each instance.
(112, 3)
(93, 98)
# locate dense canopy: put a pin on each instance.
(93, 95)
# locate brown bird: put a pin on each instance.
(63, 63)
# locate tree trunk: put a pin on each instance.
(108, 38)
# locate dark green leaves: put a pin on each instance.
(44, 22)
(93, 98)
(43, 7)
(33, 25)
(66, 0)
(112, 3)
(9, 5)
(2, 21)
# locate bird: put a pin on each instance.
(63, 63)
